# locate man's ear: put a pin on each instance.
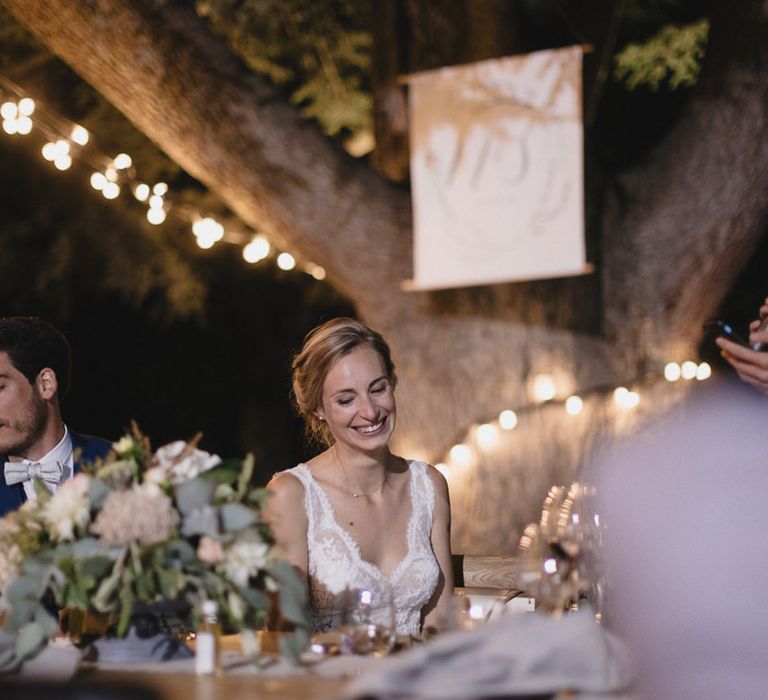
(46, 383)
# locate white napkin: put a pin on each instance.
(516, 655)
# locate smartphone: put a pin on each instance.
(725, 329)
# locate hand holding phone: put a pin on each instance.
(718, 327)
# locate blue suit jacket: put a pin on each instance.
(11, 497)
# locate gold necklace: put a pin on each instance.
(349, 492)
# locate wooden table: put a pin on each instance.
(177, 686)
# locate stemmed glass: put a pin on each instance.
(368, 620)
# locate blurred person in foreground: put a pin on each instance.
(751, 365)
(357, 516)
(35, 443)
(684, 505)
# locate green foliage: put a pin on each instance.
(317, 51)
(673, 55)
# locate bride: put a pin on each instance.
(357, 516)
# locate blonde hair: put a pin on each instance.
(322, 347)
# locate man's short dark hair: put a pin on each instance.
(33, 344)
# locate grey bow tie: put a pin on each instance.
(16, 472)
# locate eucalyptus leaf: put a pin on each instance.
(98, 492)
(236, 517)
(30, 639)
(87, 547)
(202, 521)
(95, 567)
(293, 644)
(246, 473)
(179, 551)
(293, 607)
(47, 622)
(194, 494)
(255, 598)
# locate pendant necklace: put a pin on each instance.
(356, 494)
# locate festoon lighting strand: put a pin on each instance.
(67, 141)
(484, 435)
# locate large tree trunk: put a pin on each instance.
(690, 218)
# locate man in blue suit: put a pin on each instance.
(34, 440)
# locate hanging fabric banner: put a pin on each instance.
(497, 170)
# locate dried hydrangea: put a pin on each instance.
(142, 515)
(69, 509)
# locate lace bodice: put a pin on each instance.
(336, 563)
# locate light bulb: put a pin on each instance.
(256, 250)
(487, 435)
(317, 272)
(672, 371)
(111, 190)
(10, 126)
(206, 240)
(63, 161)
(79, 135)
(62, 147)
(111, 173)
(49, 151)
(9, 110)
(508, 419)
(156, 215)
(26, 106)
(543, 387)
(141, 192)
(688, 369)
(156, 202)
(98, 181)
(461, 454)
(122, 161)
(160, 188)
(574, 405)
(24, 125)
(286, 261)
(703, 371)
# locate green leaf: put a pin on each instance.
(95, 567)
(104, 599)
(235, 516)
(194, 494)
(246, 473)
(97, 493)
(202, 521)
(126, 609)
(254, 598)
(30, 640)
(293, 644)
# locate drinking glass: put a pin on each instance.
(368, 620)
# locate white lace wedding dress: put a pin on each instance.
(335, 562)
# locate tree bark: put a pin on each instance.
(690, 217)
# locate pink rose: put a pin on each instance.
(210, 550)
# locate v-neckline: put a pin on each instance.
(353, 543)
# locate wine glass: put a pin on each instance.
(368, 620)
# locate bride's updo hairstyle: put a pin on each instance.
(322, 347)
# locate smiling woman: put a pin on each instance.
(357, 517)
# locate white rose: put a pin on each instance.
(180, 463)
(245, 559)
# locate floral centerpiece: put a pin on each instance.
(139, 529)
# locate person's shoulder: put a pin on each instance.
(432, 473)
(286, 485)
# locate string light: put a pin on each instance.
(508, 419)
(286, 261)
(574, 405)
(486, 434)
(257, 249)
(67, 139)
(543, 387)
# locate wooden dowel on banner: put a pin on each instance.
(405, 78)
